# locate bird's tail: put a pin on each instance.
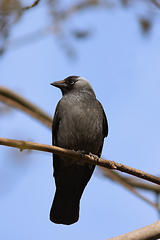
(65, 207)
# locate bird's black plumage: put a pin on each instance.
(79, 124)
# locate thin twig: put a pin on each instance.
(85, 158)
(34, 4)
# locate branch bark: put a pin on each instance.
(73, 154)
(150, 232)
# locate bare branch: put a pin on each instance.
(73, 154)
(150, 232)
(34, 4)
(9, 97)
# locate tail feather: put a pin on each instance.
(65, 208)
(70, 183)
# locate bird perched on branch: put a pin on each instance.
(79, 124)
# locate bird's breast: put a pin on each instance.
(80, 126)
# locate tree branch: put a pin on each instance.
(11, 98)
(34, 4)
(73, 154)
(150, 232)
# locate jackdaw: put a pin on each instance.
(79, 124)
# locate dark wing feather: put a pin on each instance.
(105, 131)
(55, 125)
(105, 125)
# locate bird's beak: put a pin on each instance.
(60, 84)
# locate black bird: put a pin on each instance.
(79, 124)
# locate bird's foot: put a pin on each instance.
(96, 158)
(81, 153)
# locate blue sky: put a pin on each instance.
(123, 67)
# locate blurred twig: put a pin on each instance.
(9, 97)
(157, 4)
(79, 6)
(59, 15)
(34, 4)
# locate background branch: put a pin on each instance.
(157, 4)
(11, 98)
(34, 4)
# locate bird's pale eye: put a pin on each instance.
(72, 82)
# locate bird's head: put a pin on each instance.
(73, 83)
